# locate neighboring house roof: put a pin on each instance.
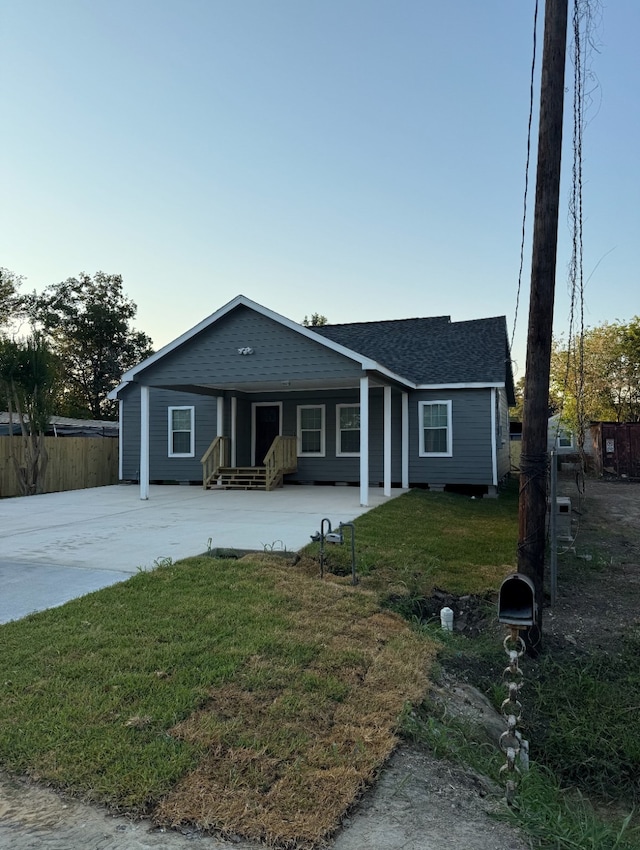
(421, 352)
(66, 426)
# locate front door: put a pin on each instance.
(267, 417)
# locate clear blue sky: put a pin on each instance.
(359, 158)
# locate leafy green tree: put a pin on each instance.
(598, 376)
(515, 412)
(9, 297)
(28, 381)
(316, 321)
(87, 321)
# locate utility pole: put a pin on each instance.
(533, 476)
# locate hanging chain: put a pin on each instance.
(512, 744)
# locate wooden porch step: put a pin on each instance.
(243, 478)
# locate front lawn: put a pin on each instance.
(425, 540)
(248, 696)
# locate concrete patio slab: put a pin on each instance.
(58, 546)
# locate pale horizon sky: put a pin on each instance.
(363, 159)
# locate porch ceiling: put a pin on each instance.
(282, 386)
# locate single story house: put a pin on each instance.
(562, 437)
(248, 393)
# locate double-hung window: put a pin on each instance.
(434, 423)
(348, 430)
(311, 430)
(181, 431)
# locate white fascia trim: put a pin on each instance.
(480, 385)
(242, 301)
(113, 395)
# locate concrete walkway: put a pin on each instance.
(58, 546)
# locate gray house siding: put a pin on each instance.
(334, 468)
(161, 466)
(211, 358)
(471, 461)
(130, 432)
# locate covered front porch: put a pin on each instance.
(261, 437)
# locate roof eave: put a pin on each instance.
(462, 385)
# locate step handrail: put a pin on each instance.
(280, 460)
(215, 457)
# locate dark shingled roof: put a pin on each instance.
(432, 350)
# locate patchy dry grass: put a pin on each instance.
(241, 696)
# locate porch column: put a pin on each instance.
(220, 416)
(405, 441)
(144, 442)
(494, 439)
(364, 441)
(234, 417)
(387, 442)
(120, 441)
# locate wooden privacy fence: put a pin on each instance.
(74, 464)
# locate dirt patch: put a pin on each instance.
(599, 569)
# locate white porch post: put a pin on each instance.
(494, 439)
(144, 442)
(405, 441)
(220, 417)
(387, 442)
(364, 441)
(234, 416)
(120, 441)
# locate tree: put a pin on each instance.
(598, 376)
(9, 298)
(87, 322)
(515, 412)
(28, 380)
(316, 321)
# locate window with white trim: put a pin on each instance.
(564, 439)
(435, 429)
(311, 430)
(347, 430)
(181, 431)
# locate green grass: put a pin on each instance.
(557, 819)
(91, 688)
(424, 540)
(584, 719)
(581, 718)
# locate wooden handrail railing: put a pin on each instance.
(281, 459)
(215, 457)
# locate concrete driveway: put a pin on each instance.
(58, 546)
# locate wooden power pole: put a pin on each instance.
(533, 476)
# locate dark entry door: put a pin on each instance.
(267, 429)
